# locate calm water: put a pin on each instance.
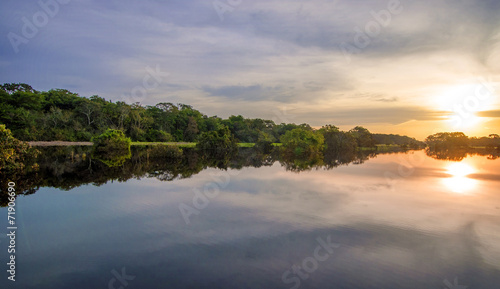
(394, 221)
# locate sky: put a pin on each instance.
(403, 67)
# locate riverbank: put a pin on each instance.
(68, 143)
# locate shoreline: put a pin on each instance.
(58, 143)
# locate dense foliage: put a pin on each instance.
(395, 139)
(217, 143)
(447, 140)
(455, 146)
(111, 140)
(363, 137)
(337, 141)
(112, 147)
(302, 142)
(15, 154)
(59, 114)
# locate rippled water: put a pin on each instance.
(395, 221)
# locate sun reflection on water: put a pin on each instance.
(459, 182)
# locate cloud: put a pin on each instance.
(489, 113)
(264, 54)
(248, 93)
(388, 115)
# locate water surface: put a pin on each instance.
(400, 220)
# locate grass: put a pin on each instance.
(246, 145)
(185, 144)
(381, 147)
(179, 144)
(191, 144)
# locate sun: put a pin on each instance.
(462, 102)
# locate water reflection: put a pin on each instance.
(459, 182)
(265, 220)
(460, 154)
(71, 167)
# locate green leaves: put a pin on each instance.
(15, 154)
(112, 147)
(302, 142)
(217, 143)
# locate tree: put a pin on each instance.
(264, 142)
(447, 140)
(14, 87)
(192, 130)
(337, 141)
(217, 143)
(363, 137)
(302, 142)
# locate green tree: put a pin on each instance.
(191, 132)
(337, 141)
(217, 143)
(302, 142)
(363, 137)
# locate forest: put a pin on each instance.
(62, 115)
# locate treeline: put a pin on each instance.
(395, 139)
(458, 140)
(59, 114)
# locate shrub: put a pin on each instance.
(112, 147)
(111, 140)
(15, 154)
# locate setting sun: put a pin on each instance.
(463, 102)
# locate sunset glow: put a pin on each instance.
(415, 74)
(459, 182)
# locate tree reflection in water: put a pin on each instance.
(459, 154)
(69, 167)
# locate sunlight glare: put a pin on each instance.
(459, 182)
(463, 101)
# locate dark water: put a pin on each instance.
(394, 221)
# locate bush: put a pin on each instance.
(112, 147)
(15, 154)
(111, 140)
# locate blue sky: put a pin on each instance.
(314, 61)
